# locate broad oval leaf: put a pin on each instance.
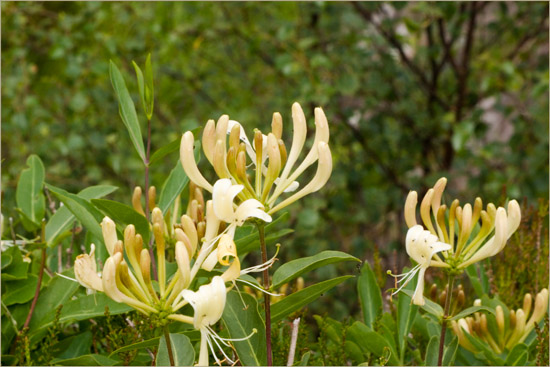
(432, 351)
(182, 351)
(61, 221)
(370, 341)
(240, 320)
(301, 298)
(370, 296)
(19, 291)
(295, 268)
(123, 215)
(517, 356)
(28, 195)
(127, 109)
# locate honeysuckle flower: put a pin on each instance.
(85, 271)
(421, 246)
(274, 169)
(512, 326)
(222, 198)
(470, 243)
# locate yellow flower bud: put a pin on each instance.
(277, 125)
(209, 139)
(410, 209)
(136, 200)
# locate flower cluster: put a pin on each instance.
(274, 172)
(506, 329)
(202, 241)
(454, 233)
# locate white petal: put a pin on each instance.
(222, 198)
(251, 208)
(418, 296)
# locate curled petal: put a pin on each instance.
(251, 208)
(208, 302)
(222, 197)
(418, 296)
(85, 271)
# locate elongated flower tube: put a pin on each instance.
(274, 168)
(457, 227)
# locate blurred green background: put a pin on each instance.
(412, 91)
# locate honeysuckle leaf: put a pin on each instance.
(127, 109)
(123, 215)
(429, 306)
(406, 312)
(471, 310)
(301, 298)
(28, 195)
(83, 210)
(372, 342)
(450, 352)
(432, 351)
(517, 356)
(293, 269)
(182, 351)
(62, 219)
(86, 360)
(369, 293)
(240, 319)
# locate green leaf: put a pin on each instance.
(354, 352)
(429, 306)
(153, 342)
(172, 187)
(165, 150)
(73, 346)
(6, 260)
(240, 321)
(19, 291)
(141, 86)
(293, 269)
(432, 351)
(301, 298)
(18, 268)
(149, 87)
(83, 308)
(471, 310)
(450, 352)
(406, 313)
(61, 221)
(86, 360)
(370, 296)
(305, 359)
(123, 215)
(28, 195)
(517, 356)
(58, 292)
(182, 350)
(370, 341)
(476, 274)
(484, 349)
(85, 212)
(127, 109)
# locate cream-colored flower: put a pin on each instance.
(274, 171)
(85, 271)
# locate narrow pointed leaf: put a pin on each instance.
(370, 296)
(127, 109)
(432, 351)
(123, 215)
(450, 352)
(293, 269)
(517, 356)
(471, 310)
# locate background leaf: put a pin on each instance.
(124, 215)
(29, 196)
(182, 350)
(369, 293)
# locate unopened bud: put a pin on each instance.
(425, 207)
(157, 217)
(500, 319)
(443, 297)
(182, 237)
(201, 230)
(193, 210)
(159, 238)
(145, 265)
(258, 147)
(209, 139)
(492, 211)
(118, 247)
(299, 284)
(478, 206)
(458, 216)
(138, 245)
(410, 209)
(108, 228)
(190, 230)
(477, 302)
(152, 196)
(484, 324)
(460, 298)
(136, 200)
(231, 161)
(512, 317)
(219, 160)
(282, 150)
(234, 137)
(527, 303)
(277, 125)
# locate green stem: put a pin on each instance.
(169, 345)
(450, 284)
(267, 301)
(147, 209)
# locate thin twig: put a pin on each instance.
(37, 291)
(169, 345)
(267, 301)
(445, 317)
(293, 340)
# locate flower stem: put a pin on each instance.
(267, 301)
(169, 345)
(450, 284)
(40, 274)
